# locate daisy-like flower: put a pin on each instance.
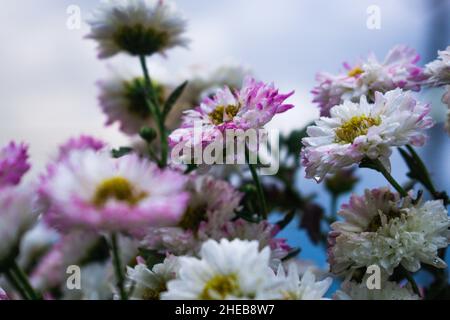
(225, 271)
(82, 142)
(138, 27)
(212, 204)
(355, 131)
(398, 70)
(148, 284)
(124, 101)
(446, 100)
(304, 288)
(439, 69)
(382, 229)
(17, 215)
(351, 290)
(13, 164)
(90, 190)
(69, 250)
(264, 232)
(203, 83)
(249, 108)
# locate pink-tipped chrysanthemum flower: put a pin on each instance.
(380, 228)
(249, 108)
(13, 164)
(439, 69)
(398, 70)
(90, 190)
(355, 131)
(211, 206)
(83, 142)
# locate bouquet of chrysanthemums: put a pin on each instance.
(191, 208)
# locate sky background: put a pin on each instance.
(48, 72)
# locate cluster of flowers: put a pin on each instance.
(142, 227)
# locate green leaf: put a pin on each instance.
(122, 151)
(173, 98)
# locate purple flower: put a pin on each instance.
(13, 164)
(398, 70)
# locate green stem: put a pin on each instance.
(380, 168)
(427, 181)
(413, 283)
(118, 267)
(155, 109)
(16, 284)
(259, 189)
(334, 200)
(23, 279)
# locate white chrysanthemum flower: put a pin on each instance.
(446, 100)
(351, 290)
(146, 284)
(226, 271)
(355, 131)
(138, 27)
(439, 69)
(306, 288)
(18, 213)
(382, 229)
(123, 101)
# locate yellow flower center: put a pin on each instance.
(223, 114)
(154, 294)
(220, 287)
(355, 127)
(119, 189)
(192, 218)
(356, 71)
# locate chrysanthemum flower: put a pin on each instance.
(91, 190)
(264, 232)
(398, 70)
(203, 83)
(13, 164)
(146, 284)
(17, 215)
(212, 204)
(358, 130)
(382, 229)
(249, 108)
(439, 69)
(446, 100)
(225, 271)
(304, 288)
(124, 101)
(82, 142)
(351, 290)
(138, 27)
